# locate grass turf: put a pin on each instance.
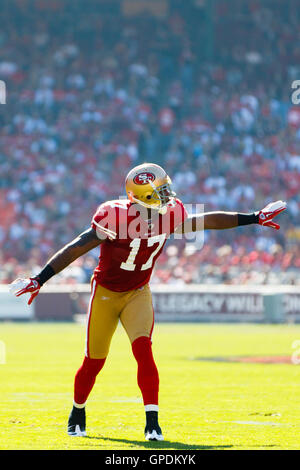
(203, 404)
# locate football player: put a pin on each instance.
(131, 234)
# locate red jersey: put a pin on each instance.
(126, 262)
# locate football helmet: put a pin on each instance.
(149, 185)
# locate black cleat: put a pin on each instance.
(152, 429)
(76, 422)
(153, 433)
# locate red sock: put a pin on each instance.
(85, 379)
(147, 374)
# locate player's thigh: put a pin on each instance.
(137, 316)
(103, 317)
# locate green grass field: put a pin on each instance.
(203, 404)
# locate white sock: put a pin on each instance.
(151, 407)
(79, 405)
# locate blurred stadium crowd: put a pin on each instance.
(93, 92)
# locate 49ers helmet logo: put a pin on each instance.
(143, 178)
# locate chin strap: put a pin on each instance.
(160, 209)
(144, 204)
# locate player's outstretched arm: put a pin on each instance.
(85, 242)
(226, 220)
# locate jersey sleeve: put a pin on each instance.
(178, 215)
(104, 221)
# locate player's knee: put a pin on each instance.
(91, 366)
(97, 351)
(98, 355)
(142, 349)
(140, 334)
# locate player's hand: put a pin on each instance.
(267, 214)
(25, 286)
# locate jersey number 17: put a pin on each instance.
(129, 265)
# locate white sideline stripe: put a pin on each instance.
(151, 407)
(261, 423)
(88, 317)
(190, 288)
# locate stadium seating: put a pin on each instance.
(86, 103)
